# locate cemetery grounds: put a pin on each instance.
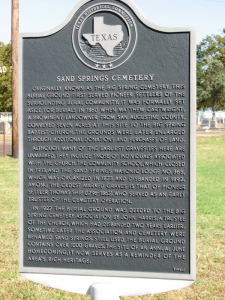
(210, 283)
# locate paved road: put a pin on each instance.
(8, 148)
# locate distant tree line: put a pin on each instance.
(210, 74)
(5, 78)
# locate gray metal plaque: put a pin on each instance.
(107, 180)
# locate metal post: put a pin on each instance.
(15, 31)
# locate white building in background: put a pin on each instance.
(6, 117)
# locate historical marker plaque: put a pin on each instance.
(107, 140)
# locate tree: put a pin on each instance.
(5, 78)
(213, 87)
(211, 73)
(200, 74)
(212, 47)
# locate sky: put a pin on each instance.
(207, 16)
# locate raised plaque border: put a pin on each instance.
(127, 274)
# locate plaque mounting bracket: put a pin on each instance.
(110, 288)
(102, 291)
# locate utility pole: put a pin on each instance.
(15, 32)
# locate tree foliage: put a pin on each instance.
(200, 74)
(212, 47)
(5, 78)
(212, 92)
(211, 73)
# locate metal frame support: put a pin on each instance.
(103, 291)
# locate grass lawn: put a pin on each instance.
(210, 282)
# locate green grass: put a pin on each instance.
(210, 179)
(210, 220)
